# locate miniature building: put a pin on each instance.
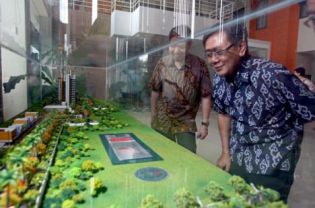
(61, 89)
(18, 128)
(67, 89)
(24, 121)
(8, 134)
(70, 89)
(33, 114)
(30, 119)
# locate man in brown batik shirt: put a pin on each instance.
(179, 83)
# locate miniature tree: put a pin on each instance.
(239, 185)
(78, 198)
(75, 172)
(81, 135)
(46, 137)
(238, 201)
(68, 204)
(7, 178)
(18, 157)
(30, 195)
(270, 195)
(151, 202)
(96, 186)
(86, 147)
(69, 183)
(89, 165)
(38, 178)
(99, 166)
(262, 196)
(14, 200)
(40, 149)
(60, 163)
(215, 192)
(185, 199)
(30, 164)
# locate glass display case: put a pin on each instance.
(64, 63)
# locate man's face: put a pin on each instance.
(178, 50)
(222, 55)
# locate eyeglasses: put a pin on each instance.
(218, 53)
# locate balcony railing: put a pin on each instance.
(207, 8)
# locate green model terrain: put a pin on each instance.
(84, 176)
(184, 168)
(63, 163)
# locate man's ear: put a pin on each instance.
(242, 48)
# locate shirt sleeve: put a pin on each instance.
(218, 96)
(295, 94)
(218, 107)
(156, 81)
(206, 85)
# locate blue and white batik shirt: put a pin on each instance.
(268, 106)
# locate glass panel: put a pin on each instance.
(111, 46)
(59, 51)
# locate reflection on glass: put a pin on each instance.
(113, 46)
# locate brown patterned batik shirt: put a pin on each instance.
(180, 91)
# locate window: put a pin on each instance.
(239, 13)
(261, 22)
(303, 9)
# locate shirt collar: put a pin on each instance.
(243, 73)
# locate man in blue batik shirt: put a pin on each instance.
(261, 111)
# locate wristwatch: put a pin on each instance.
(204, 123)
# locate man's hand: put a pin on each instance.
(202, 132)
(224, 161)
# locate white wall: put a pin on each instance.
(120, 23)
(259, 48)
(15, 101)
(306, 37)
(13, 24)
(12, 17)
(306, 48)
(151, 21)
(307, 60)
